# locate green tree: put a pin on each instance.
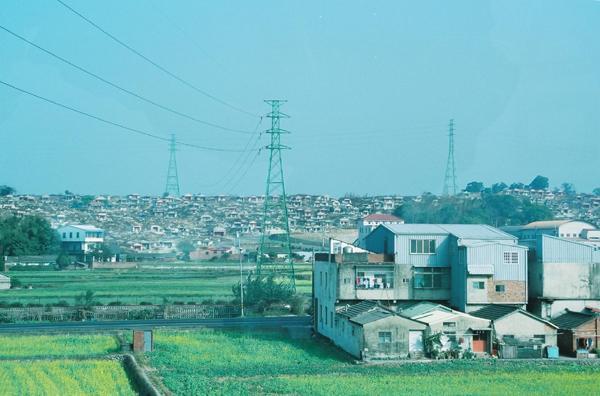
(262, 292)
(474, 187)
(186, 247)
(596, 191)
(6, 190)
(498, 187)
(539, 183)
(63, 260)
(29, 235)
(568, 188)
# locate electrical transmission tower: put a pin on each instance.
(172, 188)
(275, 238)
(450, 179)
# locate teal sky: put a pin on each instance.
(370, 86)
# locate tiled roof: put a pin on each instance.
(364, 312)
(572, 320)
(494, 312)
(381, 217)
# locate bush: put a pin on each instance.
(298, 305)
(15, 284)
(115, 303)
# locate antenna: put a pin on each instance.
(172, 187)
(275, 238)
(450, 179)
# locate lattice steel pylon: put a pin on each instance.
(275, 237)
(172, 187)
(450, 178)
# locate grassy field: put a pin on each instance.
(222, 362)
(184, 283)
(63, 377)
(56, 345)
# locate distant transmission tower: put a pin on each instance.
(275, 238)
(450, 179)
(172, 188)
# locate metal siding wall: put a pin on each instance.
(561, 251)
(440, 259)
(494, 255)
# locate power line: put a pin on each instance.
(234, 166)
(153, 63)
(116, 124)
(114, 85)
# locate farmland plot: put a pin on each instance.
(63, 377)
(228, 362)
(57, 345)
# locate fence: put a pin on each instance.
(120, 312)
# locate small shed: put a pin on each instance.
(459, 330)
(143, 341)
(518, 333)
(579, 332)
(4, 282)
(370, 331)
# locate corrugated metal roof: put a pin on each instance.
(572, 320)
(462, 231)
(356, 309)
(546, 224)
(421, 308)
(371, 316)
(364, 312)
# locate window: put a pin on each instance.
(385, 337)
(320, 313)
(64, 235)
(422, 246)
(70, 235)
(321, 278)
(382, 278)
(511, 257)
(431, 278)
(479, 285)
(449, 324)
(325, 315)
(77, 235)
(540, 337)
(500, 289)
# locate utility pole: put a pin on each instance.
(450, 178)
(172, 187)
(275, 212)
(241, 275)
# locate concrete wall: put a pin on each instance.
(550, 309)
(522, 326)
(399, 327)
(348, 336)
(325, 291)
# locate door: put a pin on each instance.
(415, 341)
(480, 341)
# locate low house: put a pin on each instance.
(368, 331)
(579, 332)
(459, 331)
(4, 282)
(518, 333)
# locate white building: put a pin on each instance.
(4, 282)
(370, 222)
(80, 239)
(574, 229)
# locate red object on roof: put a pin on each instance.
(381, 217)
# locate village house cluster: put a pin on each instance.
(459, 289)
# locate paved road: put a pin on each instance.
(266, 322)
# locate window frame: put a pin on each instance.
(384, 337)
(417, 247)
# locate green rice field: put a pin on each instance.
(229, 362)
(182, 283)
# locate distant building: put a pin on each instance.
(573, 229)
(4, 282)
(370, 222)
(79, 240)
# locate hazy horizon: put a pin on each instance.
(370, 86)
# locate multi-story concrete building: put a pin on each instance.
(465, 266)
(564, 266)
(80, 239)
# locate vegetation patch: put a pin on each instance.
(234, 362)
(63, 377)
(58, 345)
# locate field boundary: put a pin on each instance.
(138, 377)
